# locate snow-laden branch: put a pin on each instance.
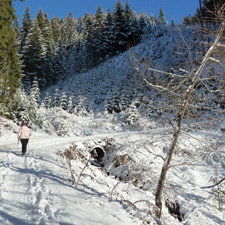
(214, 60)
(221, 45)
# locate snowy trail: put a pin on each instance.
(33, 191)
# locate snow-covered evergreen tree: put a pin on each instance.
(108, 39)
(19, 108)
(63, 101)
(80, 109)
(35, 92)
(47, 101)
(161, 19)
(34, 101)
(132, 115)
(70, 105)
(98, 26)
(34, 52)
(25, 28)
(124, 102)
(119, 31)
(56, 100)
(116, 101)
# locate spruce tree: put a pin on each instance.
(88, 35)
(70, 105)
(10, 66)
(56, 100)
(119, 20)
(142, 24)
(108, 39)
(98, 26)
(161, 19)
(35, 92)
(47, 101)
(34, 52)
(25, 28)
(40, 20)
(128, 19)
(55, 29)
(135, 34)
(63, 101)
(19, 108)
(70, 31)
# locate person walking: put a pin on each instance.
(24, 135)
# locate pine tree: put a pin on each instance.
(80, 109)
(23, 113)
(55, 29)
(108, 104)
(98, 26)
(124, 103)
(56, 100)
(88, 35)
(34, 52)
(48, 54)
(60, 62)
(161, 19)
(19, 108)
(35, 92)
(70, 105)
(135, 31)
(108, 39)
(70, 31)
(132, 115)
(25, 28)
(143, 22)
(47, 101)
(116, 101)
(63, 101)
(10, 66)
(119, 20)
(34, 101)
(128, 20)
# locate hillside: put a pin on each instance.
(58, 183)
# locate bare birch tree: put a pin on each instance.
(184, 97)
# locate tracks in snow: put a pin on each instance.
(39, 196)
(25, 196)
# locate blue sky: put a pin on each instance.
(173, 9)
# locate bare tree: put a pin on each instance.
(184, 102)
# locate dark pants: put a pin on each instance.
(24, 143)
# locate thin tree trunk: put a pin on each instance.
(162, 179)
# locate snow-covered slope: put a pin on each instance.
(41, 188)
(117, 76)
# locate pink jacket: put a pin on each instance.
(24, 133)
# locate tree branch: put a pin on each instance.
(205, 187)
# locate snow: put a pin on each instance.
(38, 188)
(47, 188)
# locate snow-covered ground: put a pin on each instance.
(42, 188)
